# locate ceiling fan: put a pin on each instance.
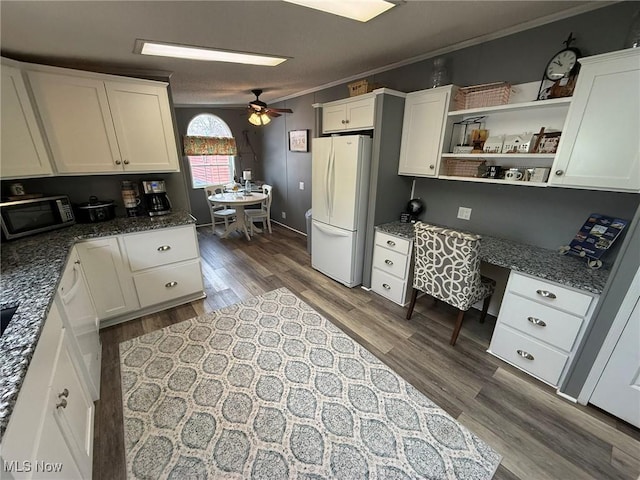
(260, 113)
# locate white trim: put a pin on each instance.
(290, 228)
(566, 397)
(620, 321)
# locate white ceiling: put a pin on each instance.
(324, 49)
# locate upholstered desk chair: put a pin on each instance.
(263, 213)
(447, 267)
(219, 213)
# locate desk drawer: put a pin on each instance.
(550, 294)
(545, 323)
(393, 288)
(161, 247)
(543, 362)
(391, 262)
(168, 283)
(397, 244)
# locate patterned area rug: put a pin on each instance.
(270, 389)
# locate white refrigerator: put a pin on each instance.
(339, 199)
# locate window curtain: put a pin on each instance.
(209, 145)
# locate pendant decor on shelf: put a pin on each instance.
(560, 74)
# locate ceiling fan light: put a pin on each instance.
(265, 118)
(146, 47)
(361, 10)
(254, 119)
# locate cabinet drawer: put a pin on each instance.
(544, 362)
(391, 262)
(168, 283)
(389, 286)
(545, 323)
(160, 247)
(397, 244)
(550, 294)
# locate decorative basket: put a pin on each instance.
(486, 95)
(457, 167)
(361, 87)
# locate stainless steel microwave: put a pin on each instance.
(28, 217)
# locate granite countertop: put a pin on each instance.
(539, 262)
(31, 268)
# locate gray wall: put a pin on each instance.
(546, 217)
(236, 119)
(517, 58)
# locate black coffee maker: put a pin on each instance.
(156, 201)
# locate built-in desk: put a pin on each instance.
(548, 302)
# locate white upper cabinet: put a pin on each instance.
(23, 149)
(600, 146)
(105, 124)
(352, 114)
(425, 115)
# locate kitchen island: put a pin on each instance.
(31, 269)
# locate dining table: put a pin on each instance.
(237, 200)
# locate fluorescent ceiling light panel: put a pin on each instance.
(146, 47)
(361, 10)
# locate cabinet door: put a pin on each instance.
(72, 411)
(334, 118)
(77, 121)
(360, 114)
(110, 281)
(81, 320)
(23, 150)
(424, 117)
(144, 126)
(599, 147)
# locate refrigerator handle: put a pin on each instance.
(326, 181)
(332, 179)
(334, 232)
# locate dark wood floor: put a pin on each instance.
(539, 434)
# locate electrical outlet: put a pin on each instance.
(284, 214)
(301, 185)
(464, 213)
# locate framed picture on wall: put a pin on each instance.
(299, 140)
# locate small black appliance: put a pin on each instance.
(155, 197)
(412, 211)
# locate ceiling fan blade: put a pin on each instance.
(281, 110)
(273, 114)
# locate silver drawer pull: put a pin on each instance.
(164, 248)
(64, 393)
(170, 284)
(391, 243)
(386, 286)
(546, 294)
(388, 262)
(525, 355)
(537, 321)
(62, 404)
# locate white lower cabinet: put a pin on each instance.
(108, 276)
(540, 325)
(129, 274)
(50, 433)
(392, 271)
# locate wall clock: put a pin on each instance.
(561, 72)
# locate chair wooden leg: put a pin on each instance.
(412, 304)
(457, 328)
(485, 308)
(269, 223)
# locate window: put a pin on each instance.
(210, 169)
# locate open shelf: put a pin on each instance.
(538, 156)
(512, 107)
(493, 180)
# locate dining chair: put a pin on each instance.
(219, 213)
(263, 213)
(447, 267)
